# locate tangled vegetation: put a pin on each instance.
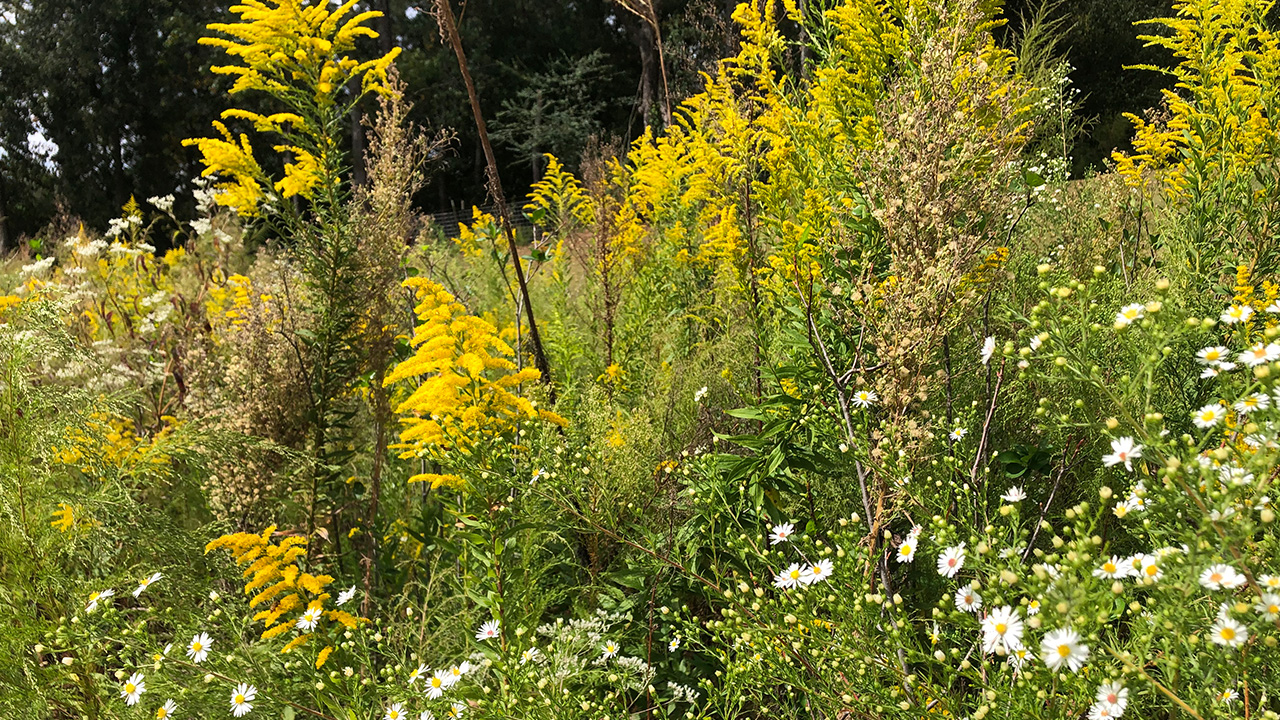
(857, 405)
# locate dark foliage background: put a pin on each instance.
(117, 84)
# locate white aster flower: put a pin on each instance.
(198, 648)
(146, 583)
(1112, 569)
(699, 394)
(1212, 355)
(1103, 711)
(97, 597)
(435, 686)
(529, 655)
(608, 650)
(1228, 633)
(968, 599)
(958, 434)
(1217, 577)
(133, 688)
(864, 398)
(907, 550)
(166, 711)
(781, 533)
(1260, 354)
(789, 578)
(417, 673)
(1063, 647)
(345, 596)
(818, 572)
(1123, 450)
(1114, 694)
(1002, 630)
(951, 560)
(394, 712)
(988, 349)
(1268, 605)
(488, 631)
(310, 618)
(673, 645)
(1236, 314)
(1014, 494)
(242, 699)
(1128, 314)
(1207, 416)
(1251, 403)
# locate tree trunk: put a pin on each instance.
(648, 69)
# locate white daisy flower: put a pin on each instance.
(133, 688)
(818, 572)
(1114, 694)
(789, 578)
(1111, 569)
(395, 712)
(146, 583)
(673, 645)
(1260, 354)
(907, 550)
(988, 349)
(1123, 450)
(864, 398)
(1228, 633)
(608, 650)
(1150, 569)
(1063, 647)
(310, 618)
(958, 434)
(1212, 355)
(166, 711)
(700, 394)
(1103, 711)
(198, 648)
(345, 596)
(98, 597)
(1270, 582)
(1250, 403)
(417, 673)
(242, 699)
(1002, 630)
(1207, 416)
(781, 533)
(1217, 577)
(1226, 696)
(1128, 314)
(530, 655)
(951, 560)
(1014, 494)
(1269, 606)
(1236, 314)
(488, 631)
(435, 686)
(968, 599)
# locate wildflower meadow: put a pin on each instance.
(835, 395)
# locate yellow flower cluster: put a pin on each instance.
(1221, 124)
(274, 576)
(478, 238)
(112, 440)
(297, 53)
(467, 383)
(231, 301)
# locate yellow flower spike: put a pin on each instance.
(323, 656)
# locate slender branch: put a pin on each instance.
(449, 33)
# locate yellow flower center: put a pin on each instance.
(1001, 628)
(1109, 567)
(162, 713)
(239, 699)
(1216, 577)
(1212, 355)
(130, 688)
(795, 574)
(393, 714)
(906, 549)
(1228, 633)
(1064, 650)
(196, 647)
(1273, 609)
(1152, 570)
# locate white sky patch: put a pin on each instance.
(42, 147)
